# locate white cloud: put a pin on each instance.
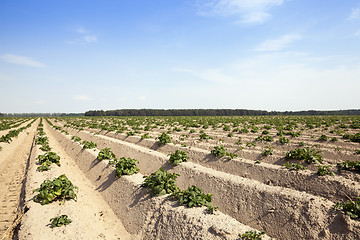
(355, 14)
(84, 36)
(277, 44)
(90, 38)
(82, 98)
(249, 11)
(21, 60)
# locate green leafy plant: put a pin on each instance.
(357, 151)
(219, 151)
(307, 154)
(40, 140)
(106, 153)
(145, 136)
(268, 151)
(75, 138)
(231, 155)
(161, 182)
(252, 235)
(204, 136)
(178, 157)
(164, 139)
(51, 157)
(60, 221)
(283, 140)
(194, 197)
(349, 165)
(350, 208)
(324, 170)
(294, 166)
(126, 166)
(250, 144)
(323, 138)
(89, 145)
(334, 139)
(60, 188)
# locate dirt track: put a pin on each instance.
(13, 161)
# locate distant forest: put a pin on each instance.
(184, 112)
(212, 112)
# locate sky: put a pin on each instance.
(275, 55)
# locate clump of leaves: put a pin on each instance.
(164, 139)
(349, 165)
(75, 138)
(204, 136)
(252, 235)
(60, 221)
(231, 155)
(334, 139)
(40, 140)
(307, 154)
(89, 145)
(161, 182)
(106, 153)
(194, 197)
(178, 157)
(268, 151)
(357, 151)
(250, 144)
(145, 136)
(351, 208)
(219, 151)
(60, 188)
(283, 140)
(51, 157)
(324, 170)
(126, 166)
(45, 147)
(323, 138)
(294, 166)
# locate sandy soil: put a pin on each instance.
(91, 215)
(13, 159)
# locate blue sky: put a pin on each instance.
(78, 55)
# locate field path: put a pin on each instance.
(13, 160)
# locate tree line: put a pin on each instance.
(212, 112)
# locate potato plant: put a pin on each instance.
(126, 166)
(60, 221)
(161, 182)
(178, 157)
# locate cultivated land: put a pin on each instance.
(282, 175)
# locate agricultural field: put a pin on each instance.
(282, 177)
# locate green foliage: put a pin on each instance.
(75, 138)
(60, 188)
(350, 208)
(283, 140)
(268, 151)
(145, 136)
(324, 170)
(334, 139)
(51, 157)
(355, 138)
(252, 235)
(194, 197)
(250, 144)
(204, 136)
(307, 154)
(41, 140)
(231, 155)
(323, 138)
(89, 145)
(357, 151)
(349, 165)
(161, 182)
(130, 133)
(106, 153)
(164, 139)
(219, 151)
(301, 144)
(126, 166)
(178, 157)
(60, 221)
(294, 166)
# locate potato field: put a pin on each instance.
(263, 177)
